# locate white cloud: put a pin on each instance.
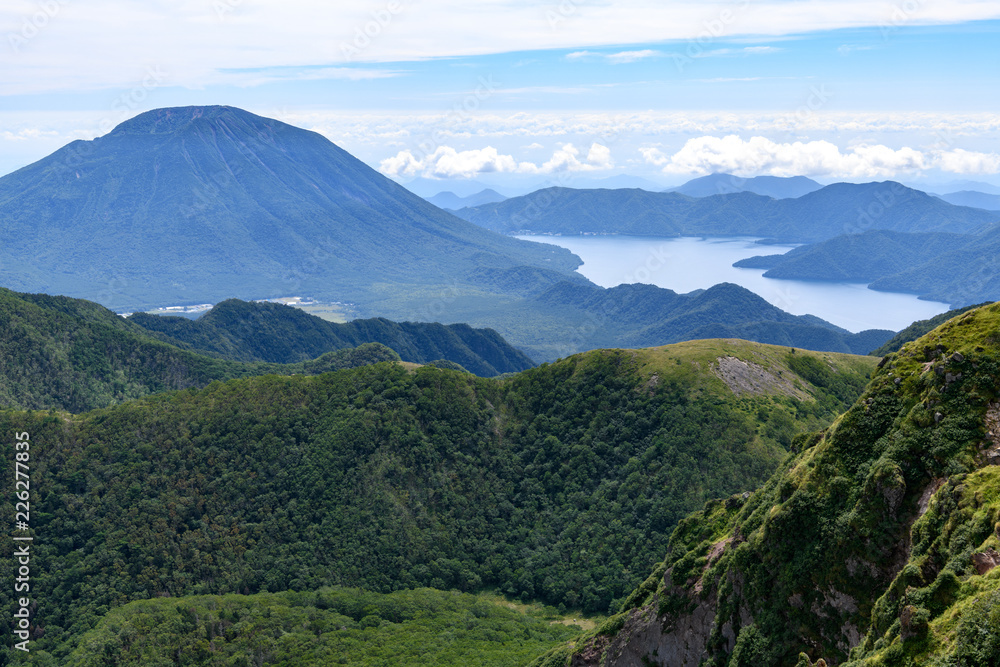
(623, 57)
(961, 161)
(108, 43)
(619, 58)
(447, 162)
(745, 51)
(760, 155)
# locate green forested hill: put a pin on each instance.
(74, 355)
(561, 483)
(875, 546)
(271, 332)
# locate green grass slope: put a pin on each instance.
(332, 626)
(918, 329)
(389, 478)
(875, 545)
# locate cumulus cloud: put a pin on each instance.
(760, 155)
(961, 161)
(446, 162)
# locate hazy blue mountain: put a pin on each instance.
(644, 315)
(199, 204)
(428, 187)
(990, 202)
(449, 200)
(842, 208)
(959, 269)
(616, 182)
(959, 276)
(856, 257)
(271, 332)
(962, 184)
(776, 187)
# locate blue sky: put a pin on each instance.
(516, 94)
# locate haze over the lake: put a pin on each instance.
(688, 264)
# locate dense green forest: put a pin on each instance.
(558, 484)
(243, 331)
(875, 546)
(74, 355)
(332, 626)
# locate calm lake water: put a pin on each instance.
(686, 264)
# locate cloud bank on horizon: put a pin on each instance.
(835, 89)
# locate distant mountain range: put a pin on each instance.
(841, 208)
(449, 200)
(199, 204)
(776, 187)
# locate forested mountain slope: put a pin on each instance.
(74, 355)
(560, 483)
(876, 545)
(244, 331)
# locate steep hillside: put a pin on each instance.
(201, 204)
(271, 332)
(875, 545)
(841, 208)
(386, 478)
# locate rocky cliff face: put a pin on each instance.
(876, 544)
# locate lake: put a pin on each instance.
(687, 264)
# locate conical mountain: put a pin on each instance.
(205, 203)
